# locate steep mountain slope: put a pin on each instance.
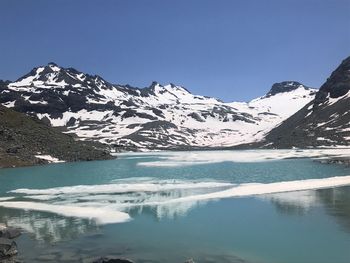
(324, 121)
(156, 117)
(28, 141)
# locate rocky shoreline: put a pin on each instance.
(8, 247)
(112, 260)
(117, 260)
(339, 160)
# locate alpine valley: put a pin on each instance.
(171, 117)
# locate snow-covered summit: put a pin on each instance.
(285, 86)
(52, 75)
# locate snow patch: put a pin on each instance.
(49, 158)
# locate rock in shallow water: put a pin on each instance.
(9, 232)
(112, 260)
(8, 248)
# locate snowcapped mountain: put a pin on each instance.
(156, 117)
(324, 121)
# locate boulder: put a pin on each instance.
(8, 248)
(9, 232)
(112, 260)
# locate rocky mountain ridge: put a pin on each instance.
(155, 117)
(323, 122)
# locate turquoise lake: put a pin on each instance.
(173, 210)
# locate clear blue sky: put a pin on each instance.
(230, 49)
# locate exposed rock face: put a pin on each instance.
(28, 141)
(337, 85)
(322, 122)
(155, 117)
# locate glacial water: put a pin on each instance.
(228, 206)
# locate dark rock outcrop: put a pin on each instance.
(23, 137)
(337, 85)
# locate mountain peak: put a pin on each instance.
(154, 84)
(52, 64)
(51, 67)
(285, 86)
